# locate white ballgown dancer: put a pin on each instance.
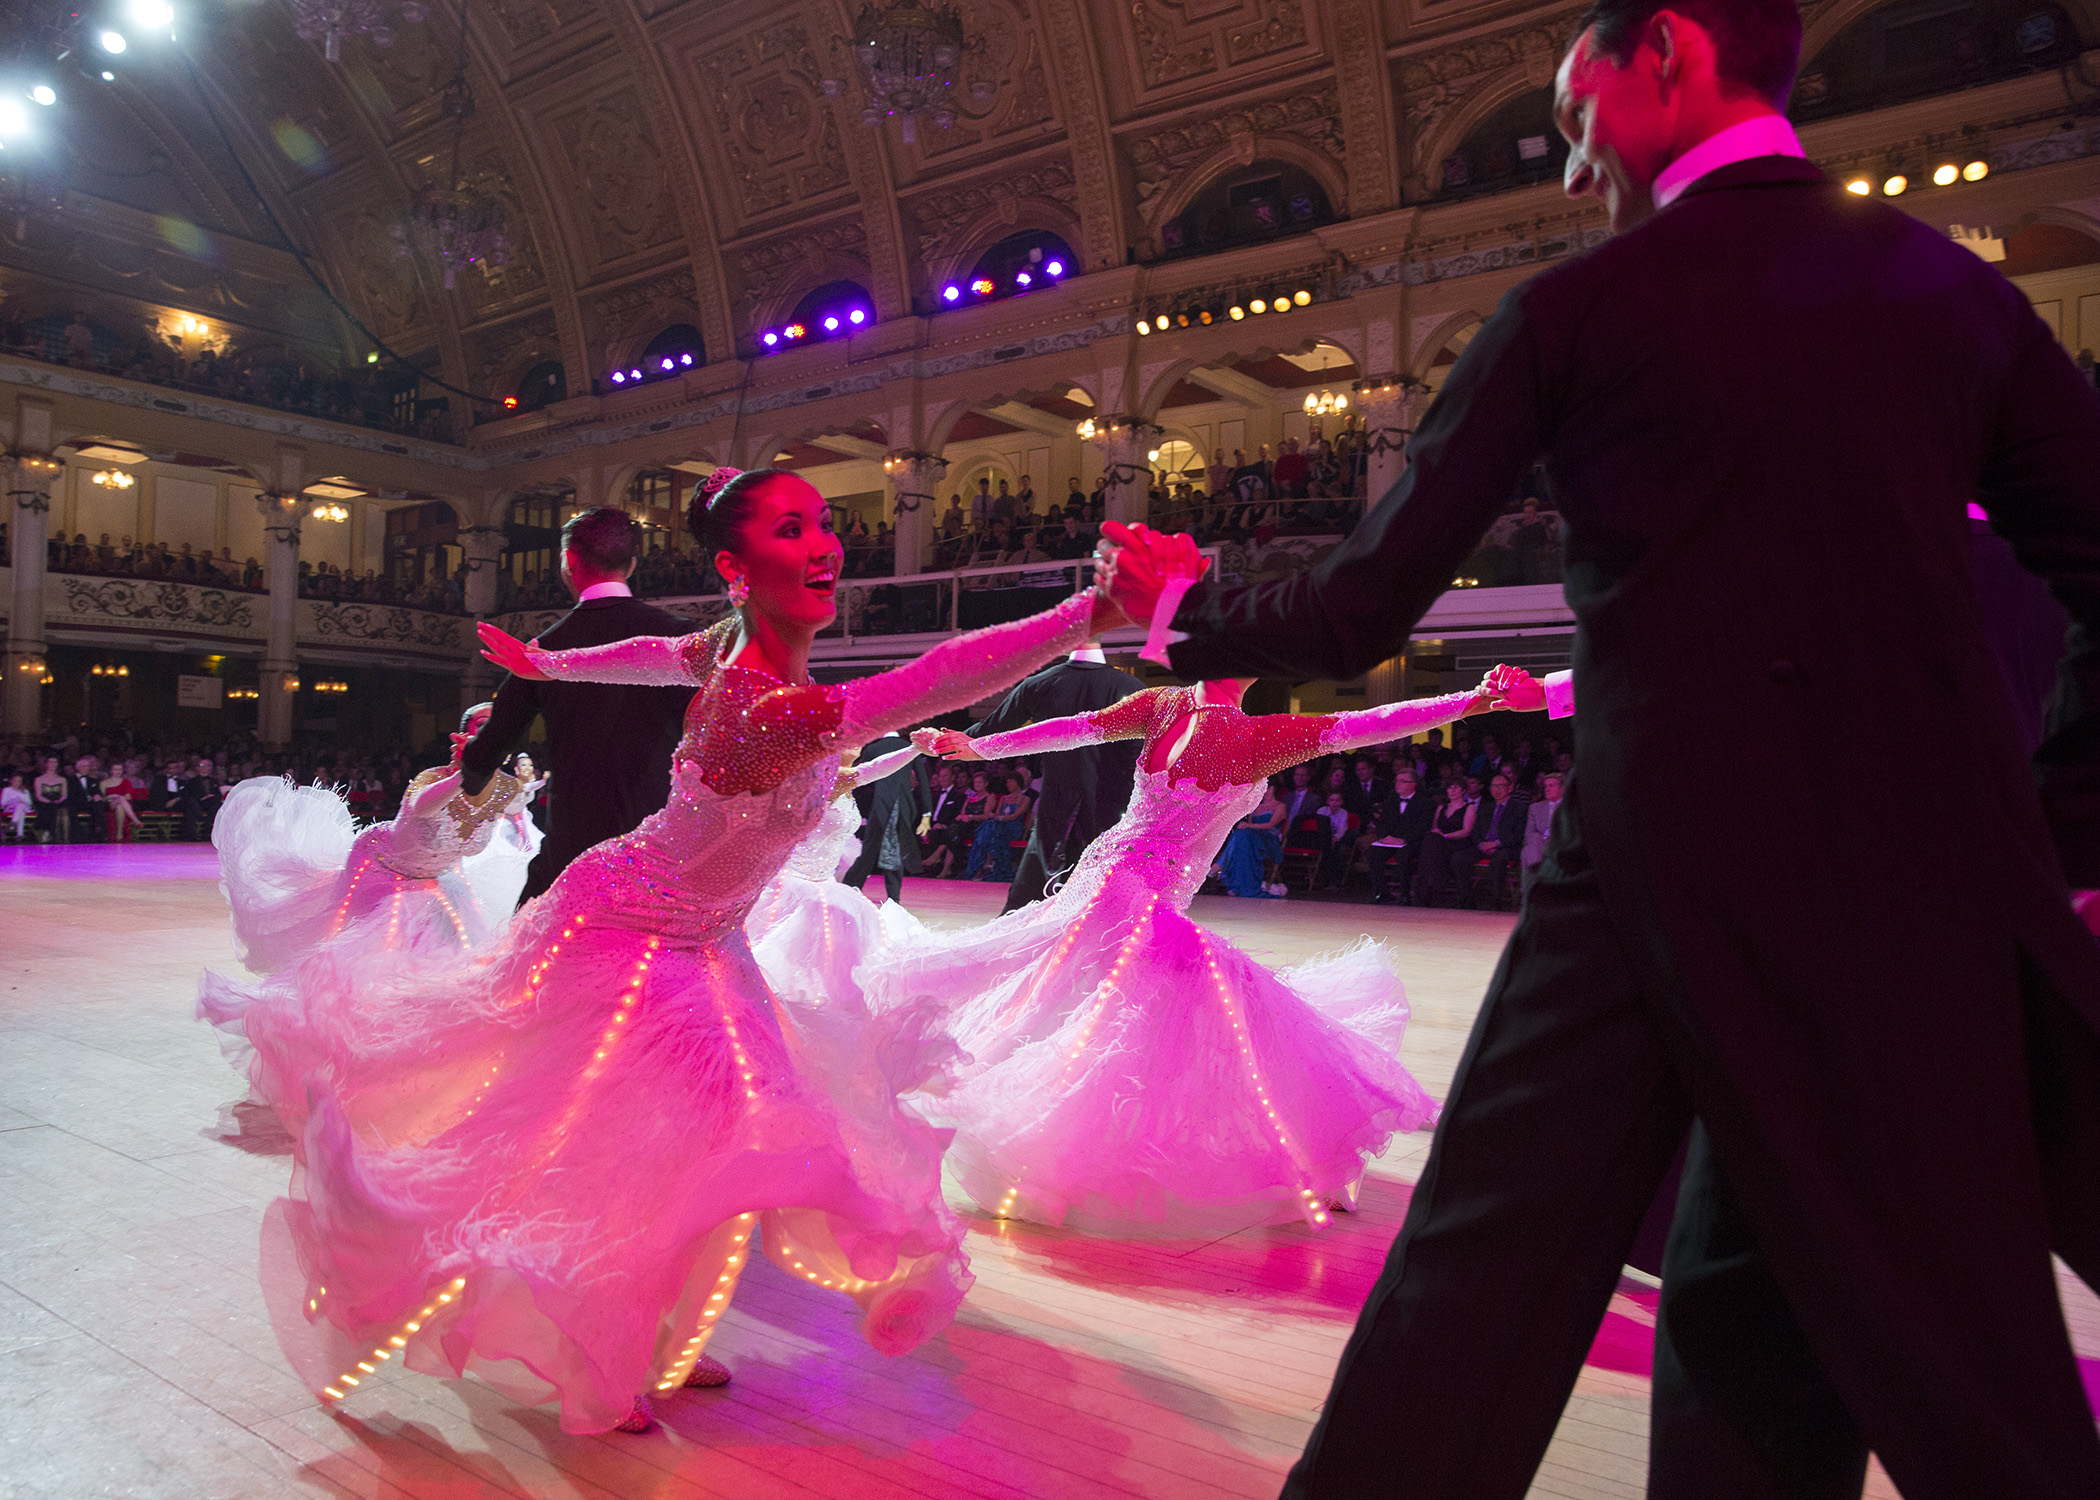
(544, 1161)
(808, 931)
(312, 897)
(1132, 1072)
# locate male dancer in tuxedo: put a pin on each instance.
(889, 838)
(1084, 790)
(609, 744)
(1762, 408)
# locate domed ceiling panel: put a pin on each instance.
(755, 103)
(598, 149)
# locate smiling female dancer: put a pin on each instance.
(550, 1165)
(1131, 1071)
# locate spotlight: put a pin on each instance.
(14, 120)
(669, 363)
(685, 359)
(982, 286)
(112, 41)
(154, 15)
(1022, 278)
(1859, 186)
(1055, 268)
(43, 93)
(619, 378)
(108, 77)
(951, 292)
(372, 358)
(1181, 320)
(769, 338)
(796, 331)
(1894, 184)
(1945, 174)
(634, 374)
(1236, 312)
(831, 324)
(1144, 325)
(858, 316)
(1203, 316)
(1976, 171)
(1152, 457)
(1258, 305)
(1301, 296)
(510, 403)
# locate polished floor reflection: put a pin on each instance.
(135, 1358)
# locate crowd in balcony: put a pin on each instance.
(362, 395)
(122, 557)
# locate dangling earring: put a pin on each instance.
(739, 591)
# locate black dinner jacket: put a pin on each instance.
(1410, 823)
(895, 798)
(1762, 414)
(609, 745)
(1084, 790)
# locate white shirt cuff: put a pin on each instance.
(1162, 633)
(1560, 694)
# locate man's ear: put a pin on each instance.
(1661, 38)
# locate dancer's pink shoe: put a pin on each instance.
(707, 1372)
(641, 1419)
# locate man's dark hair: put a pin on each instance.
(1757, 43)
(604, 538)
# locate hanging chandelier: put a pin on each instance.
(329, 21)
(1325, 404)
(456, 226)
(908, 56)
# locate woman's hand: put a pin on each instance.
(508, 652)
(951, 744)
(1514, 689)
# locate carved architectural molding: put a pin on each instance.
(1310, 116)
(1102, 217)
(1363, 90)
(619, 172)
(777, 140)
(766, 272)
(1176, 40)
(950, 221)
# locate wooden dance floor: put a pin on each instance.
(135, 1358)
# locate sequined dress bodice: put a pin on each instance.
(1166, 838)
(427, 846)
(694, 869)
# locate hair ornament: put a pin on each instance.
(713, 485)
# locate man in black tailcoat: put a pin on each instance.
(1762, 408)
(1084, 790)
(608, 760)
(889, 838)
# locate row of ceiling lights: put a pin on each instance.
(1038, 272)
(669, 364)
(1217, 309)
(1895, 182)
(85, 44)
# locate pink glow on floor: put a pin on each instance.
(110, 861)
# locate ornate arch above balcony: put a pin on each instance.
(1239, 153)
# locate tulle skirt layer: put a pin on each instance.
(811, 936)
(547, 1161)
(1132, 1072)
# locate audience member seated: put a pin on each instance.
(1395, 845)
(1498, 839)
(1252, 847)
(1342, 826)
(1447, 848)
(991, 853)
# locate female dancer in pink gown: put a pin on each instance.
(1131, 1071)
(549, 1166)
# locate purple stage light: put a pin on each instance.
(668, 364)
(1022, 278)
(771, 338)
(634, 374)
(1055, 268)
(685, 359)
(951, 292)
(618, 378)
(857, 316)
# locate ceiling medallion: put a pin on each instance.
(908, 56)
(458, 225)
(329, 21)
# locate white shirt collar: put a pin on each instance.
(612, 589)
(1761, 135)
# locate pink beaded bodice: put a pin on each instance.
(1167, 837)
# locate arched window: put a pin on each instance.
(543, 385)
(835, 310)
(676, 348)
(531, 564)
(1916, 48)
(652, 499)
(1264, 201)
(422, 544)
(1515, 146)
(1019, 264)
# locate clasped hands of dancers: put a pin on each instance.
(543, 1152)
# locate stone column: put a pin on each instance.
(280, 664)
(484, 548)
(1390, 406)
(1123, 443)
(1386, 682)
(913, 477)
(29, 527)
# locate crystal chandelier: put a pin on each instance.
(1325, 404)
(456, 226)
(329, 21)
(908, 56)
